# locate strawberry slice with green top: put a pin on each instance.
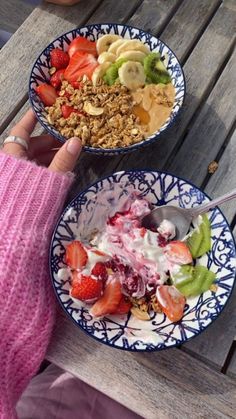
(76, 255)
(110, 299)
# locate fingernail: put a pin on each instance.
(73, 146)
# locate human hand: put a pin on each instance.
(64, 2)
(44, 149)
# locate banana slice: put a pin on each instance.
(105, 41)
(132, 75)
(115, 45)
(132, 44)
(106, 56)
(99, 72)
(132, 55)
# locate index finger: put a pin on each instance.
(25, 126)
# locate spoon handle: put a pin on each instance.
(205, 207)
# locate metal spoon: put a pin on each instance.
(182, 217)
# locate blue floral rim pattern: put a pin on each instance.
(90, 209)
(40, 74)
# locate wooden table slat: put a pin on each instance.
(153, 15)
(188, 25)
(207, 135)
(191, 388)
(114, 11)
(13, 13)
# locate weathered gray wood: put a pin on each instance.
(167, 384)
(152, 15)
(207, 135)
(190, 21)
(13, 13)
(114, 11)
(201, 70)
(224, 178)
(43, 25)
(231, 371)
(186, 25)
(214, 344)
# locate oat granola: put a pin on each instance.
(105, 120)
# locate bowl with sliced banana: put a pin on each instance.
(116, 87)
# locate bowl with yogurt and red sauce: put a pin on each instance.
(134, 288)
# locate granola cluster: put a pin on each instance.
(143, 306)
(103, 115)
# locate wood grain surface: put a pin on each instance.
(165, 384)
(13, 13)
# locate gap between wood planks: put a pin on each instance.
(200, 106)
(218, 157)
(192, 45)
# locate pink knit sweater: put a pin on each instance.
(31, 199)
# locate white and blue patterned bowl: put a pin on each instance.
(90, 210)
(40, 74)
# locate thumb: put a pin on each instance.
(65, 159)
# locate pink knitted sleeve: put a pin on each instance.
(31, 198)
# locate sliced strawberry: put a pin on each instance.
(124, 305)
(178, 252)
(85, 288)
(56, 78)
(83, 45)
(171, 301)
(76, 256)
(67, 110)
(46, 93)
(59, 59)
(99, 270)
(76, 84)
(109, 301)
(80, 64)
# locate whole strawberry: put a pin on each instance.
(85, 287)
(57, 78)
(59, 59)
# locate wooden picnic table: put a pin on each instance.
(198, 379)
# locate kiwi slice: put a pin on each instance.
(111, 75)
(209, 279)
(200, 240)
(201, 281)
(155, 70)
(183, 276)
(205, 245)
